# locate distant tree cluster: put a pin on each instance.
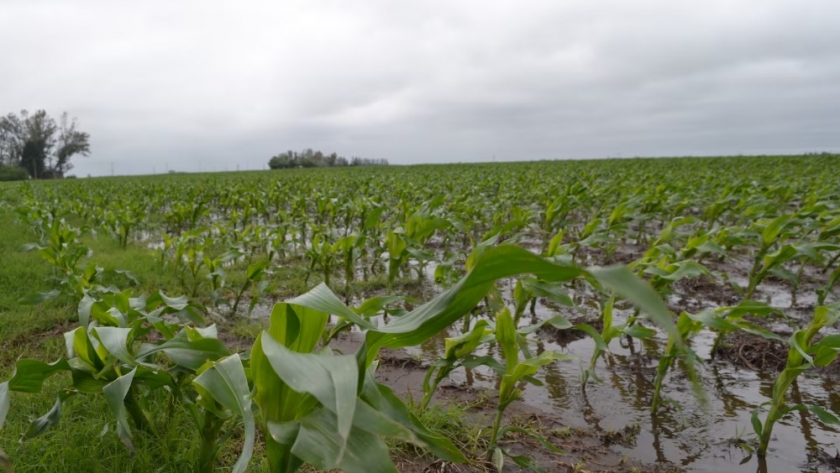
(39, 144)
(315, 159)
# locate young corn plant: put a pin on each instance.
(350, 248)
(216, 271)
(120, 223)
(515, 371)
(110, 355)
(60, 246)
(325, 409)
(771, 233)
(609, 332)
(458, 352)
(253, 281)
(805, 353)
(188, 259)
(321, 255)
(397, 254)
(687, 328)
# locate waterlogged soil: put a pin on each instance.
(582, 449)
(708, 432)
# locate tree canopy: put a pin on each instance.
(39, 144)
(312, 159)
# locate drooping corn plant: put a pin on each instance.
(325, 409)
(111, 354)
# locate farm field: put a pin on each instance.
(627, 315)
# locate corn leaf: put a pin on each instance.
(115, 393)
(333, 380)
(226, 383)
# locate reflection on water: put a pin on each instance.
(698, 437)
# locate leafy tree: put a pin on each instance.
(39, 144)
(309, 159)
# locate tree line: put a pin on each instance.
(39, 144)
(314, 159)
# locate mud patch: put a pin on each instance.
(753, 352)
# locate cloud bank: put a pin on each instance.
(198, 85)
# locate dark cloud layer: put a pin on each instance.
(214, 85)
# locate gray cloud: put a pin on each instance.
(218, 84)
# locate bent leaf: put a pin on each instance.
(226, 383)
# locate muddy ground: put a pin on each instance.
(612, 428)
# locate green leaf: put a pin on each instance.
(429, 319)
(687, 269)
(30, 375)
(551, 291)
(177, 304)
(226, 383)
(596, 337)
(759, 330)
(316, 442)
(498, 459)
(747, 307)
(708, 318)
(774, 228)
(797, 341)
(623, 282)
(255, 270)
(322, 299)
(756, 422)
(822, 414)
(115, 340)
(530, 366)
(384, 401)
(473, 362)
(463, 345)
(188, 349)
(638, 331)
(506, 337)
(48, 420)
(502, 261)
(333, 380)
(115, 393)
(375, 305)
(38, 298)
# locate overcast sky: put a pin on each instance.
(212, 85)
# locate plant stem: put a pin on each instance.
(209, 448)
(497, 423)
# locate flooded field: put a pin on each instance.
(638, 315)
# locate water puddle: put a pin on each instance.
(686, 432)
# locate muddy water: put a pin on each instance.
(695, 435)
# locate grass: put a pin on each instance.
(84, 439)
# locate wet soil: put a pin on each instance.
(582, 449)
(753, 352)
(688, 433)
